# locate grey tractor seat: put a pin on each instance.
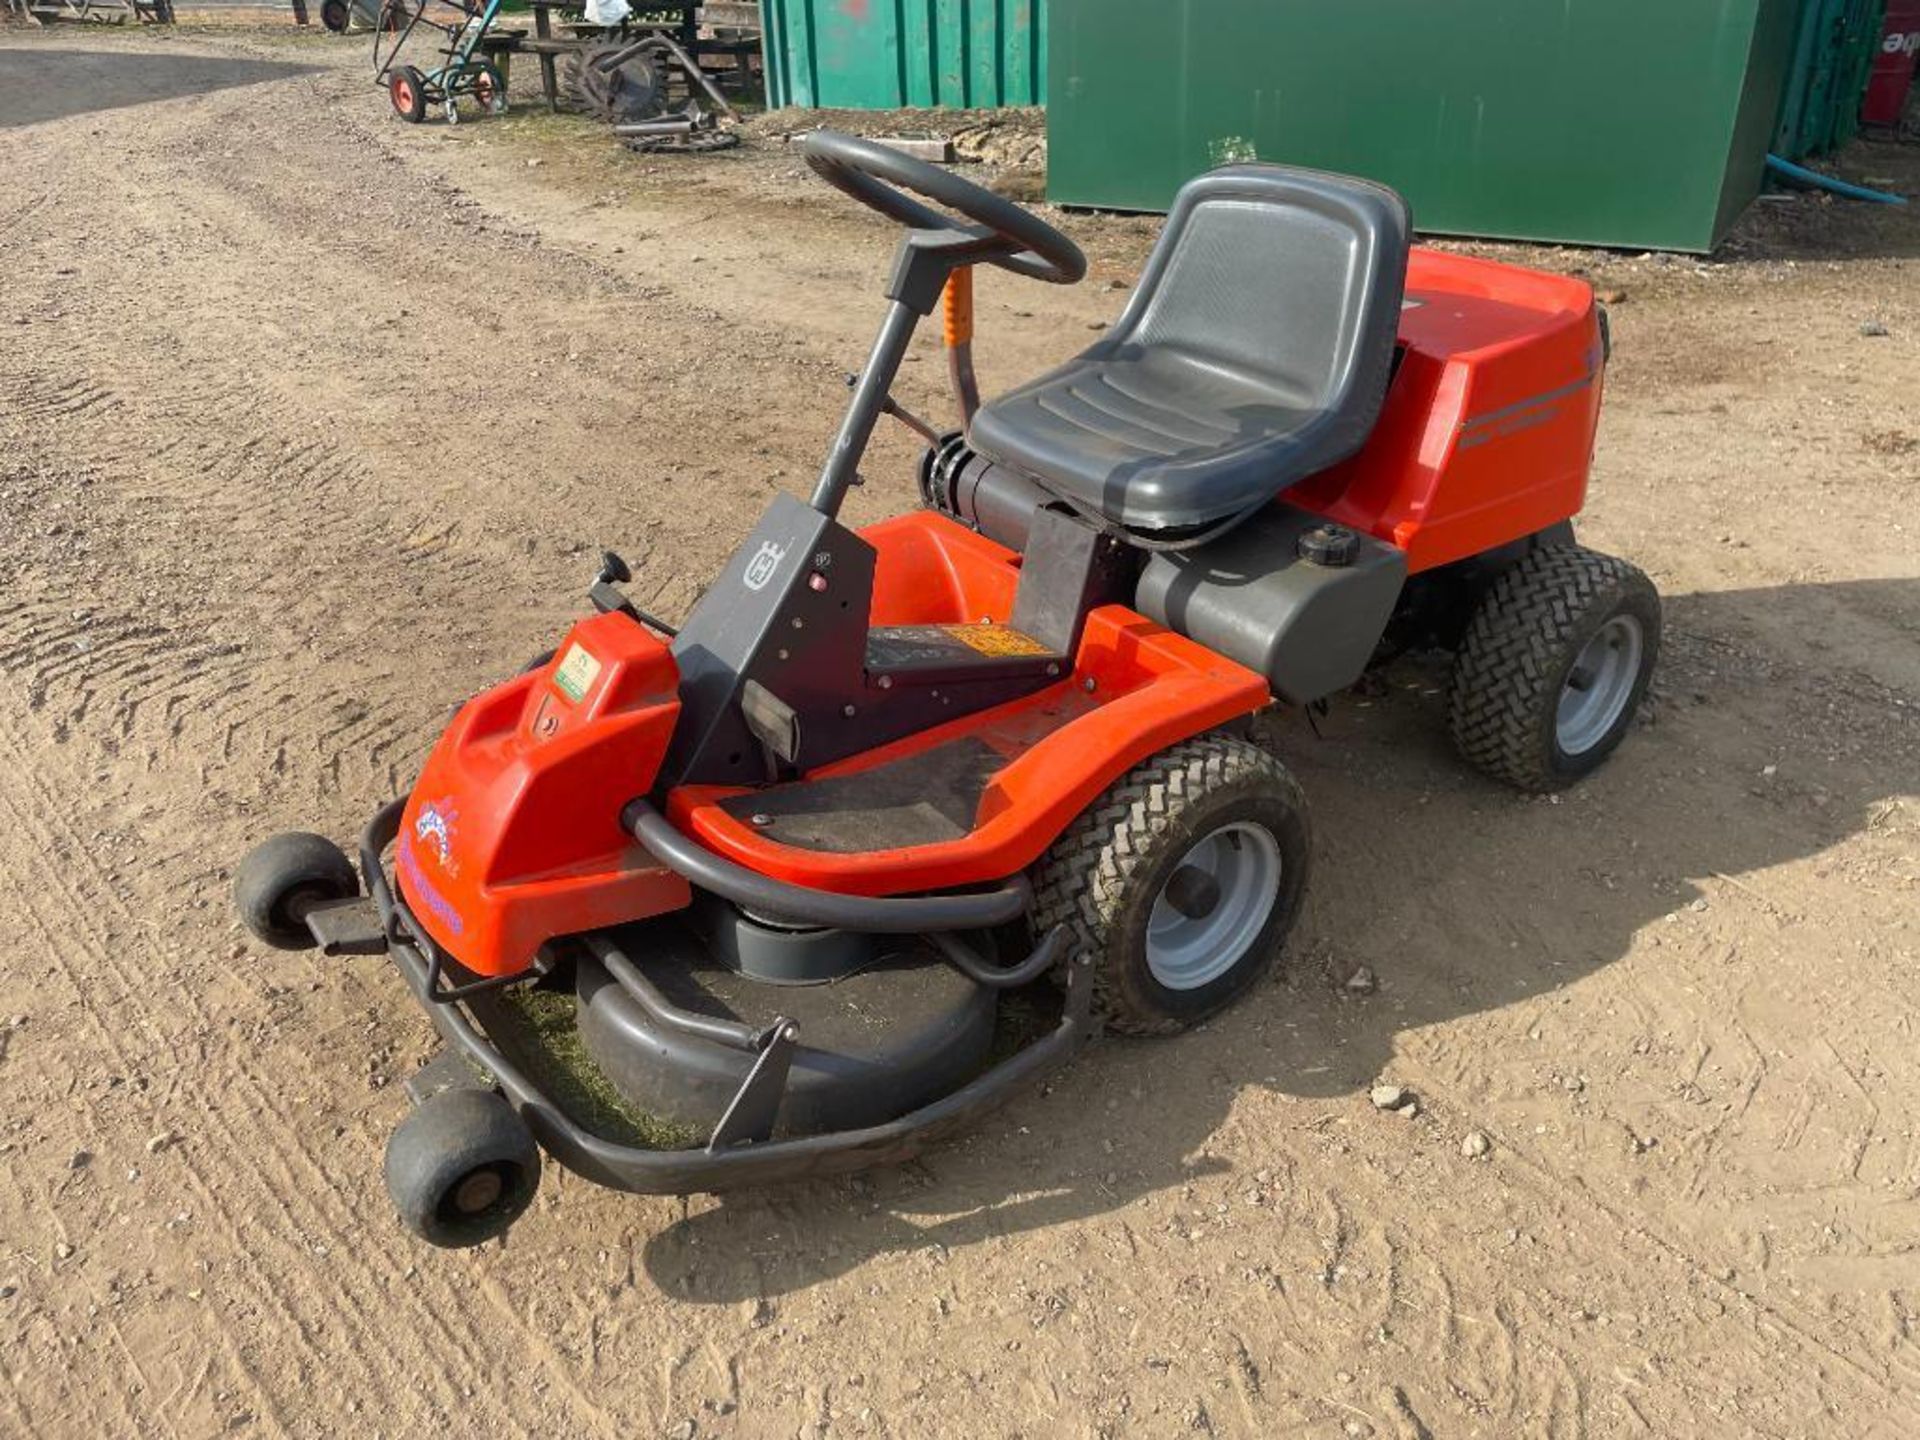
(1254, 352)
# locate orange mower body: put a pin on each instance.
(783, 863)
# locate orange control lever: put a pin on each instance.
(956, 307)
(956, 313)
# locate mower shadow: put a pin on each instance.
(39, 84)
(1460, 896)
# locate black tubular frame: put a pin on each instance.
(401, 928)
(762, 894)
(697, 1171)
(632, 979)
(964, 958)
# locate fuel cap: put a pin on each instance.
(1330, 545)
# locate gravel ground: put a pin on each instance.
(312, 424)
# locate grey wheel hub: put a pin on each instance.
(1599, 685)
(1214, 905)
(478, 1191)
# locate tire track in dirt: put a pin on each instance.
(66, 668)
(211, 494)
(254, 491)
(54, 399)
(54, 906)
(296, 1171)
(285, 1177)
(161, 687)
(73, 641)
(266, 449)
(25, 210)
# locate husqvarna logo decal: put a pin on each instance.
(766, 560)
(433, 827)
(422, 890)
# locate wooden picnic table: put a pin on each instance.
(548, 47)
(543, 44)
(543, 32)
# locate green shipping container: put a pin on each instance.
(1638, 123)
(1833, 54)
(885, 54)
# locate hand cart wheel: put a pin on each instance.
(407, 89)
(490, 90)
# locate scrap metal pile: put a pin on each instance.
(628, 71)
(654, 95)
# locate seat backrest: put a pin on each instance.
(1290, 280)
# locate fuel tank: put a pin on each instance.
(512, 835)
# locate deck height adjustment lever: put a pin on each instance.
(607, 596)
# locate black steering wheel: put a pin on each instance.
(878, 176)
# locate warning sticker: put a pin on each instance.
(995, 640)
(577, 672)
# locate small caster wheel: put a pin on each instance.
(453, 112)
(407, 89)
(285, 876)
(462, 1168)
(335, 15)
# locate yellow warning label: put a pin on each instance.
(995, 640)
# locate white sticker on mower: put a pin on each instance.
(576, 674)
(766, 560)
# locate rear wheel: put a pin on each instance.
(407, 89)
(1181, 882)
(1553, 667)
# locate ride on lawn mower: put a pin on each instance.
(797, 865)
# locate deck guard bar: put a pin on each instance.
(687, 1172)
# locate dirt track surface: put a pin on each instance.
(311, 424)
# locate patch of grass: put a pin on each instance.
(1026, 1015)
(537, 1028)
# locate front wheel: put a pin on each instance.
(462, 1168)
(1181, 882)
(284, 877)
(1553, 667)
